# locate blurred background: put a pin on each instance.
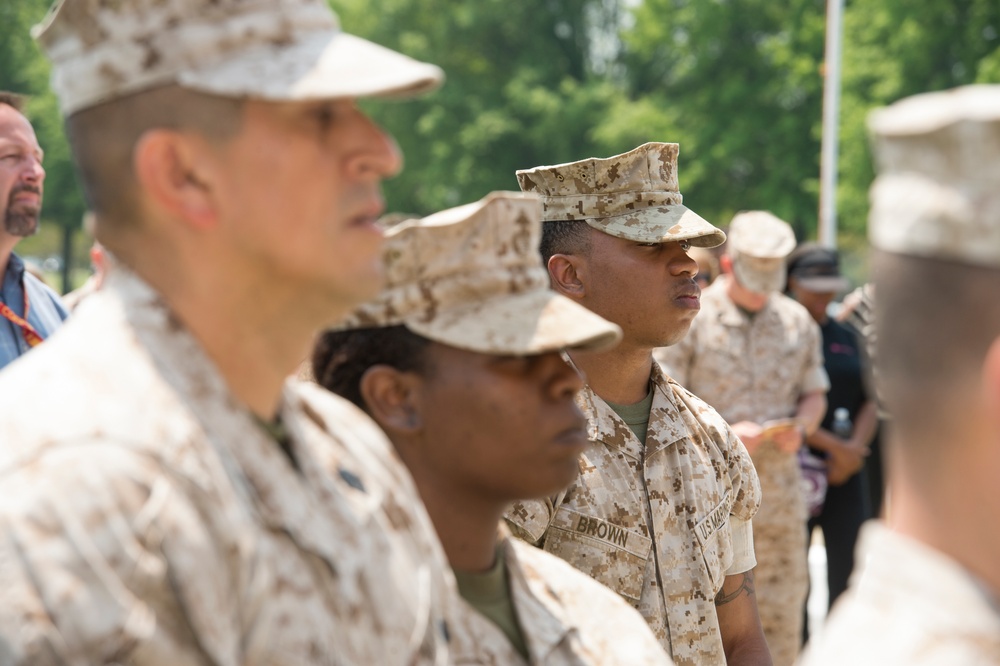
(738, 83)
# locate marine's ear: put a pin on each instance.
(391, 396)
(176, 172)
(567, 275)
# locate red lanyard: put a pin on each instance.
(31, 336)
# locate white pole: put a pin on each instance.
(831, 120)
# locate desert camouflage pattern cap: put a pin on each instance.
(292, 50)
(633, 196)
(471, 277)
(937, 190)
(758, 244)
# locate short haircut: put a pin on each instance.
(341, 358)
(564, 237)
(12, 100)
(935, 322)
(103, 138)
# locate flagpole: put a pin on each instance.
(831, 121)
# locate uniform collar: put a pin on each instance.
(606, 427)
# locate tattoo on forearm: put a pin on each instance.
(746, 584)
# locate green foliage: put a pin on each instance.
(893, 50)
(738, 83)
(521, 91)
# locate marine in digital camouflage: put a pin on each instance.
(756, 369)
(471, 278)
(633, 195)
(154, 521)
(909, 605)
(661, 524)
(567, 618)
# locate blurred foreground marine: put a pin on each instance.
(755, 355)
(458, 360)
(661, 511)
(927, 590)
(187, 504)
(29, 310)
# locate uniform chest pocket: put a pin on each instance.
(715, 540)
(611, 554)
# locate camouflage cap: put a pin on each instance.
(937, 192)
(758, 244)
(471, 277)
(632, 196)
(282, 51)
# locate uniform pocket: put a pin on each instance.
(611, 554)
(716, 541)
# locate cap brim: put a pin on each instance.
(533, 322)
(825, 284)
(662, 224)
(324, 65)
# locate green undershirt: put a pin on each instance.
(636, 415)
(489, 593)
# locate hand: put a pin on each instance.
(844, 461)
(788, 440)
(750, 434)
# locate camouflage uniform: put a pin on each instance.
(566, 617)
(661, 524)
(153, 521)
(909, 604)
(755, 370)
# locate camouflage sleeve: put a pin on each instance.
(744, 558)
(814, 377)
(103, 560)
(529, 520)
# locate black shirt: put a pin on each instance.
(842, 359)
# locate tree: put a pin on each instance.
(738, 84)
(524, 88)
(893, 50)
